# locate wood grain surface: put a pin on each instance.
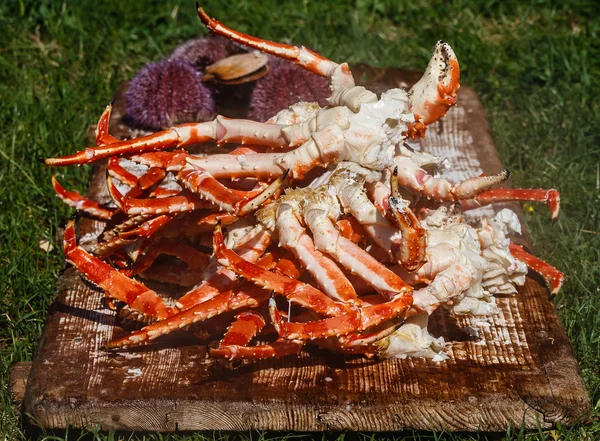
(515, 368)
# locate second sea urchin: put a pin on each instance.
(167, 93)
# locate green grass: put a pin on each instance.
(535, 67)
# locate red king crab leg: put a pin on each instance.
(233, 201)
(341, 75)
(122, 288)
(357, 320)
(241, 297)
(245, 327)
(431, 98)
(102, 135)
(170, 161)
(148, 228)
(414, 178)
(221, 130)
(128, 232)
(550, 197)
(281, 261)
(153, 177)
(81, 203)
(553, 276)
(234, 344)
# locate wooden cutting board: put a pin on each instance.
(515, 368)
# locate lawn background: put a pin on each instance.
(536, 68)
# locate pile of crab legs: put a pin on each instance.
(370, 242)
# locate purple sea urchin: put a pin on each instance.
(285, 85)
(167, 93)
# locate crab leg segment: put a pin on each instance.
(238, 335)
(233, 201)
(249, 296)
(359, 262)
(152, 177)
(250, 248)
(207, 187)
(173, 204)
(121, 235)
(116, 171)
(553, 276)
(181, 136)
(195, 224)
(371, 336)
(414, 241)
(81, 203)
(243, 329)
(260, 165)
(354, 321)
(221, 130)
(324, 147)
(149, 228)
(280, 261)
(175, 160)
(311, 61)
(329, 240)
(550, 197)
(295, 291)
(120, 287)
(414, 178)
(280, 348)
(170, 161)
(246, 326)
(293, 237)
(126, 225)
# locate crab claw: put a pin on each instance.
(435, 92)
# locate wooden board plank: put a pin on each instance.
(519, 370)
(17, 383)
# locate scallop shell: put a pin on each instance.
(238, 69)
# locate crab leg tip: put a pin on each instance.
(203, 15)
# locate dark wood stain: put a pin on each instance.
(520, 369)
